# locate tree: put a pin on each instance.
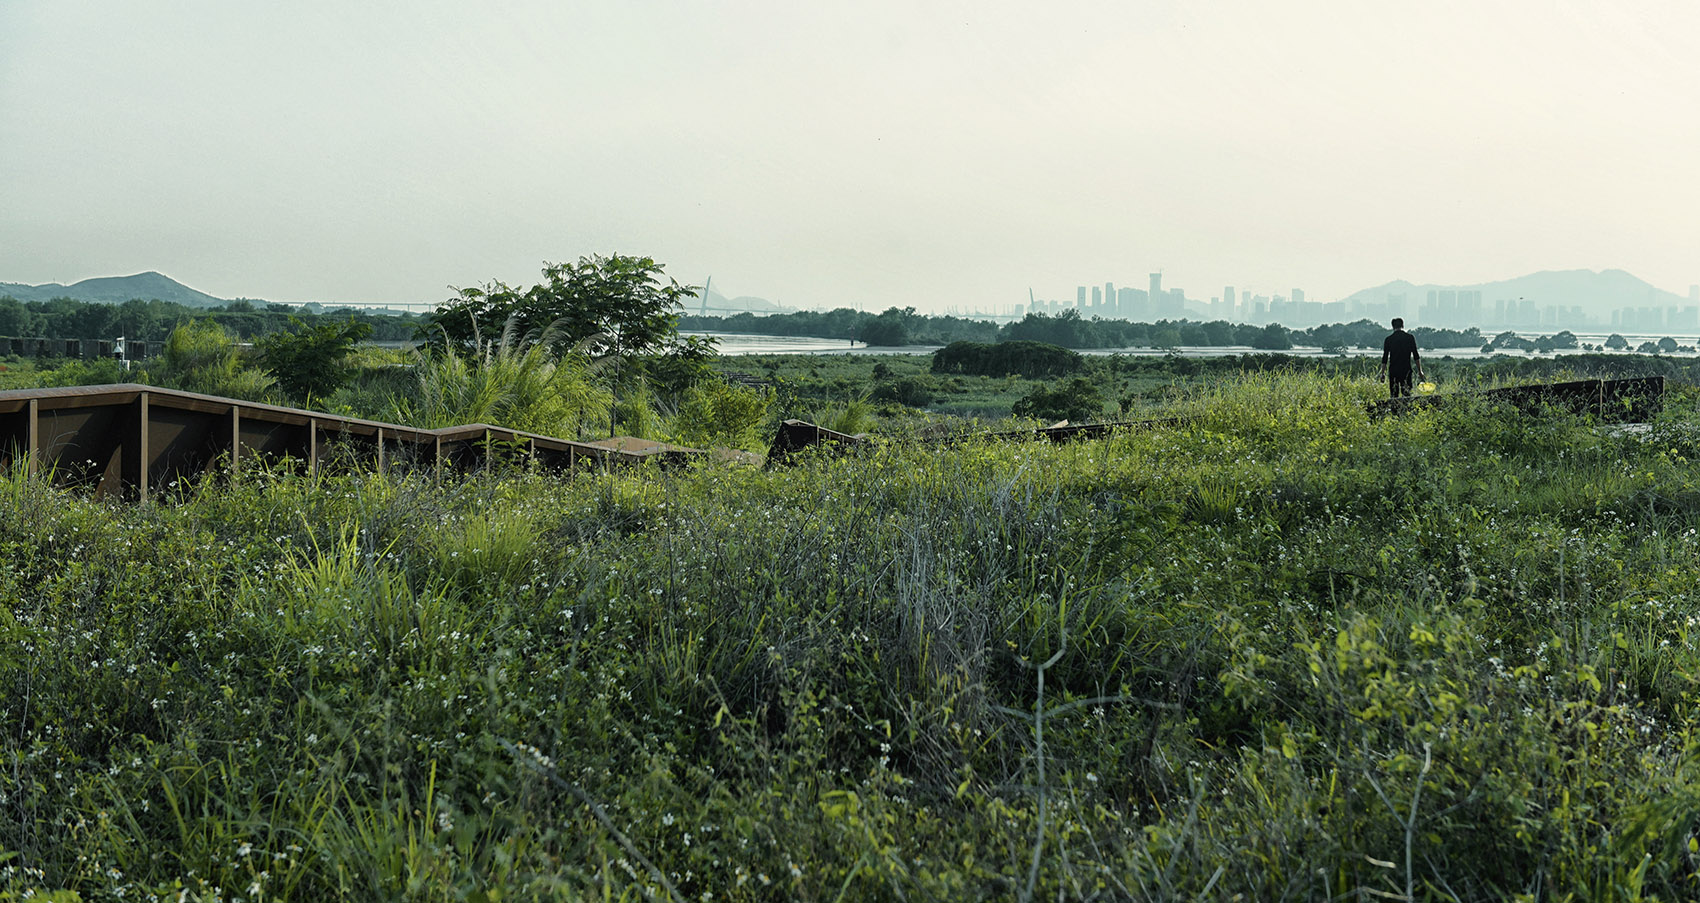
(312, 361)
(1617, 342)
(890, 328)
(14, 317)
(617, 305)
(1273, 337)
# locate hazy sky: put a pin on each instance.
(868, 154)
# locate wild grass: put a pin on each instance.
(1279, 651)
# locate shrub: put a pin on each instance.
(199, 356)
(715, 412)
(1077, 400)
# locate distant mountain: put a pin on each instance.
(719, 305)
(1597, 293)
(147, 286)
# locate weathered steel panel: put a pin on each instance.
(142, 439)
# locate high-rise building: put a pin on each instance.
(1156, 293)
(1298, 296)
(1097, 298)
(1130, 303)
(1080, 297)
(1110, 300)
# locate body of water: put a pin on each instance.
(732, 343)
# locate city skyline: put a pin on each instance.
(1444, 307)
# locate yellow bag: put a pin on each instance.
(1425, 388)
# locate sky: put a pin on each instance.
(936, 155)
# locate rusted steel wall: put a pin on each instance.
(80, 349)
(139, 440)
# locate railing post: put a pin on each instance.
(235, 439)
(312, 446)
(144, 453)
(33, 437)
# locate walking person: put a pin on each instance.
(1398, 354)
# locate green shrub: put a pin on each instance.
(199, 356)
(1077, 400)
(715, 412)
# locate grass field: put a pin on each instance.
(1282, 652)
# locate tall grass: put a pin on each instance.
(1280, 651)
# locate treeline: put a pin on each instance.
(1029, 359)
(152, 321)
(903, 326)
(892, 328)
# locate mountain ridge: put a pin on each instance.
(148, 286)
(1597, 292)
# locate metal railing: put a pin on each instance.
(138, 440)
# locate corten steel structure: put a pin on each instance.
(139, 439)
(80, 349)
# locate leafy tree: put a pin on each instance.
(1165, 337)
(614, 307)
(312, 361)
(14, 317)
(889, 329)
(685, 364)
(1273, 337)
(617, 304)
(1617, 342)
(1667, 345)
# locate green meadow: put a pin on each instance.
(1283, 651)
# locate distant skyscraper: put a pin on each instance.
(1694, 293)
(1097, 298)
(1080, 297)
(1131, 302)
(1298, 296)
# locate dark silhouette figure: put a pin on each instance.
(1398, 354)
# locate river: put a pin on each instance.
(733, 343)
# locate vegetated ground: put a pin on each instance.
(902, 392)
(1282, 651)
